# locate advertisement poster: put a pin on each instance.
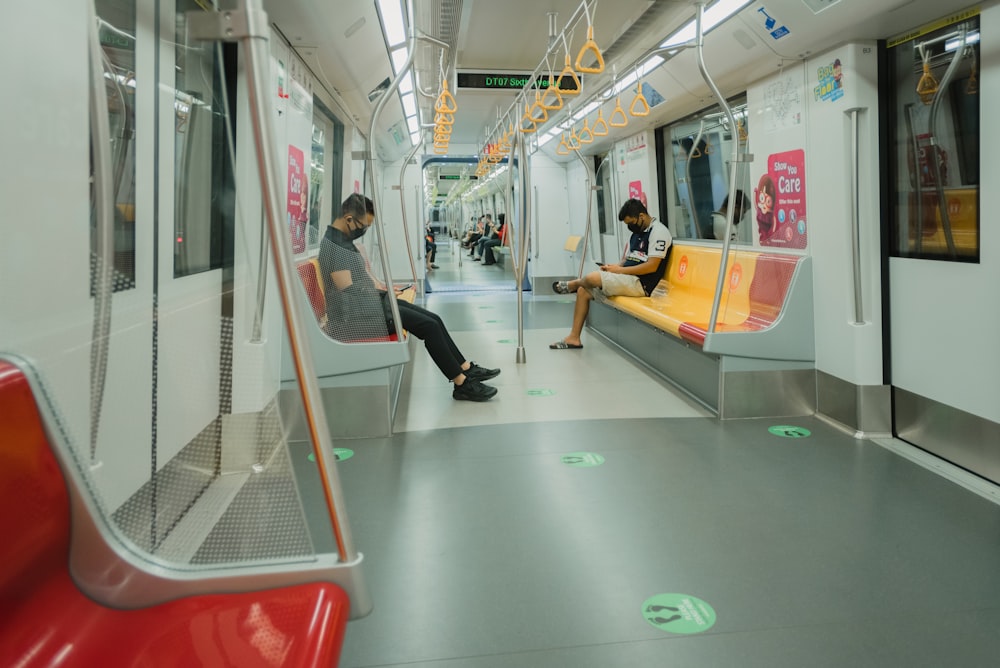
(635, 191)
(830, 82)
(780, 201)
(298, 199)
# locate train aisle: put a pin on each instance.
(589, 516)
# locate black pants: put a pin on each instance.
(488, 256)
(429, 328)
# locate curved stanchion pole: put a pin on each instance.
(402, 204)
(256, 57)
(590, 201)
(932, 130)
(521, 258)
(687, 174)
(100, 142)
(721, 281)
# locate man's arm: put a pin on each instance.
(647, 267)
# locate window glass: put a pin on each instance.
(935, 130)
(117, 37)
(204, 201)
(697, 156)
(326, 173)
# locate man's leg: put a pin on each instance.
(582, 306)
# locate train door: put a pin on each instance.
(943, 268)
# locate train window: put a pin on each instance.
(117, 36)
(934, 160)
(696, 162)
(204, 202)
(326, 175)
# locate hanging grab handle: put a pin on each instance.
(446, 103)
(552, 92)
(600, 128)
(927, 87)
(618, 113)
(590, 46)
(527, 124)
(563, 147)
(639, 106)
(586, 134)
(444, 119)
(569, 72)
(538, 108)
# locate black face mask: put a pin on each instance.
(635, 228)
(357, 232)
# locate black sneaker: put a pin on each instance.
(473, 390)
(476, 372)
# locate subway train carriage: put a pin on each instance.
(456, 333)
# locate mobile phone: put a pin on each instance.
(600, 264)
(404, 288)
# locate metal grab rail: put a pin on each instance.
(736, 159)
(402, 205)
(932, 130)
(608, 196)
(687, 174)
(249, 26)
(590, 188)
(859, 317)
(100, 143)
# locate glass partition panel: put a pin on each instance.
(935, 114)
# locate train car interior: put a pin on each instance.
(539, 333)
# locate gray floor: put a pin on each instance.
(484, 549)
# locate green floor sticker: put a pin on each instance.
(678, 613)
(494, 321)
(339, 454)
(788, 431)
(483, 308)
(541, 393)
(506, 340)
(582, 459)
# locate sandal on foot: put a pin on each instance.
(560, 287)
(562, 345)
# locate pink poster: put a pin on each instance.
(298, 199)
(635, 191)
(780, 201)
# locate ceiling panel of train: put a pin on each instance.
(343, 44)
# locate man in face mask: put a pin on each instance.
(358, 308)
(636, 276)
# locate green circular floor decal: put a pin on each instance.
(541, 393)
(788, 431)
(506, 340)
(678, 613)
(339, 454)
(582, 459)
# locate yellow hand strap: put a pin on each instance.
(586, 134)
(563, 148)
(927, 87)
(527, 124)
(590, 45)
(538, 113)
(444, 119)
(600, 125)
(639, 106)
(446, 103)
(568, 72)
(618, 113)
(551, 92)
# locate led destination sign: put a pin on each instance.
(509, 81)
(456, 177)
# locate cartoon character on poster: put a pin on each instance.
(298, 199)
(763, 196)
(780, 201)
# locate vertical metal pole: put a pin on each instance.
(402, 204)
(100, 142)
(524, 172)
(257, 59)
(590, 188)
(721, 280)
(856, 215)
(690, 191)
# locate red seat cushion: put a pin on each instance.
(45, 620)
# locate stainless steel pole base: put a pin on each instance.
(521, 358)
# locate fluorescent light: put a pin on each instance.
(971, 38)
(713, 16)
(409, 105)
(391, 12)
(399, 59)
(413, 124)
(415, 138)
(406, 84)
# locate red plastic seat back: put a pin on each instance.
(771, 280)
(309, 273)
(34, 505)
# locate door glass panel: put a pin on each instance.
(117, 36)
(935, 158)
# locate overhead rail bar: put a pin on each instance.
(737, 158)
(249, 26)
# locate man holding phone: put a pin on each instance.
(643, 267)
(358, 309)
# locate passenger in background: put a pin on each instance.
(642, 269)
(719, 217)
(486, 249)
(358, 308)
(474, 234)
(430, 246)
(492, 233)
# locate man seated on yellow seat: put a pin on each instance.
(644, 266)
